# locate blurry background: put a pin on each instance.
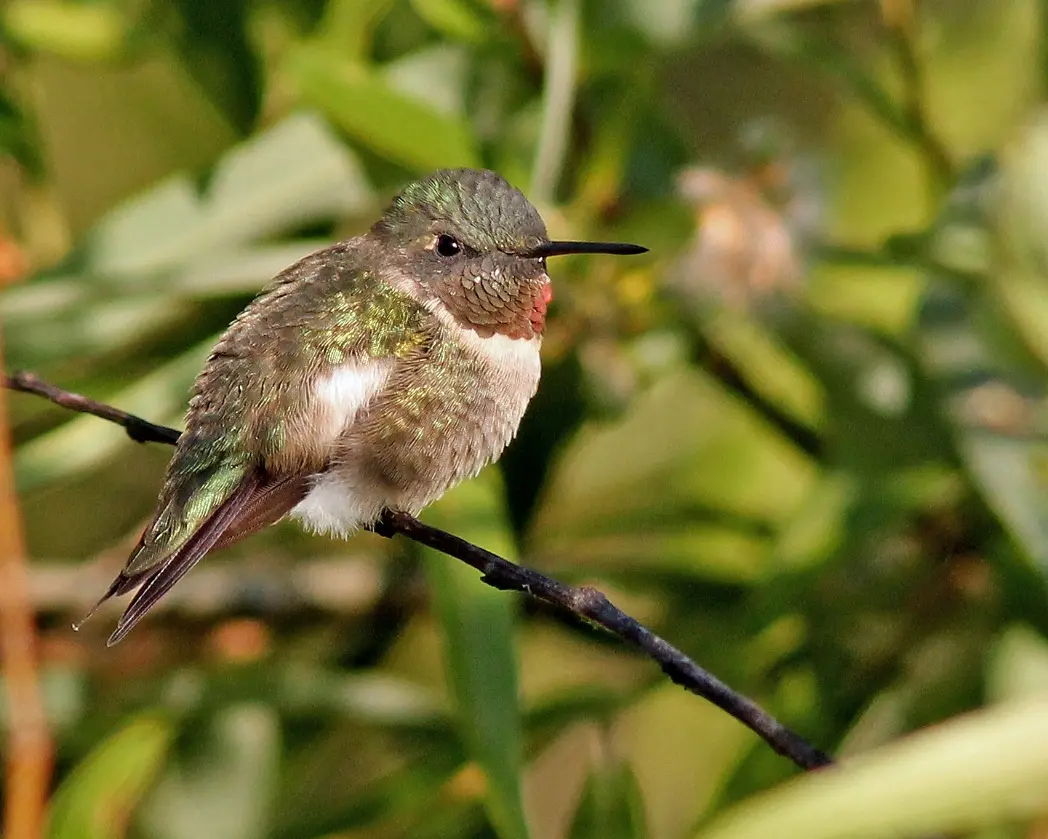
(803, 438)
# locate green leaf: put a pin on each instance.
(18, 137)
(767, 366)
(364, 105)
(1013, 214)
(413, 76)
(294, 173)
(1010, 472)
(1017, 667)
(347, 25)
(611, 807)
(97, 798)
(724, 476)
(970, 773)
(406, 795)
(1021, 209)
(669, 23)
(238, 271)
(173, 241)
(752, 11)
(477, 622)
(454, 18)
(77, 31)
(212, 40)
(380, 699)
(223, 786)
(78, 324)
(1006, 465)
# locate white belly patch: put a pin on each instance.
(332, 506)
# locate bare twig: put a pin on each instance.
(587, 603)
(900, 22)
(28, 751)
(137, 429)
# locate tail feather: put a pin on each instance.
(270, 503)
(257, 501)
(160, 579)
(121, 585)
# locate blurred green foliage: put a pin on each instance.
(804, 439)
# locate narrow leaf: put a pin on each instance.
(454, 18)
(479, 652)
(212, 40)
(77, 31)
(347, 25)
(1005, 463)
(369, 109)
(96, 800)
(973, 772)
(294, 173)
(18, 137)
(224, 786)
(611, 807)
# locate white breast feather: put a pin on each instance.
(509, 354)
(346, 390)
(340, 395)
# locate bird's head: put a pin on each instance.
(474, 243)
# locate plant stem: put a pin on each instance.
(28, 749)
(562, 46)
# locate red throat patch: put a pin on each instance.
(540, 307)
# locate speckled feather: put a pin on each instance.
(448, 348)
(252, 405)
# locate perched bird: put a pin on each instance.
(372, 375)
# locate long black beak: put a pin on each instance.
(564, 248)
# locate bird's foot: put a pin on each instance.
(383, 526)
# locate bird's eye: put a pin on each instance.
(448, 245)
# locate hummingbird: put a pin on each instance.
(374, 374)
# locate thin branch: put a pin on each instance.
(907, 118)
(28, 750)
(900, 22)
(585, 602)
(137, 429)
(589, 603)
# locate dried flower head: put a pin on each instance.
(752, 229)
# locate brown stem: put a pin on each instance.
(137, 429)
(901, 24)
(584, 602)
(28, 751)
